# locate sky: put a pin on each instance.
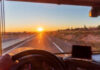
(27, 16)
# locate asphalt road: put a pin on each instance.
(47, 43)
(44, 42)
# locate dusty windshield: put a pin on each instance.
(50, 27)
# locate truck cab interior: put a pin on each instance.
(79, 58)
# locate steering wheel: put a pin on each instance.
(36, 58)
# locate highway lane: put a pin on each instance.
(48, 43)
(43, 42)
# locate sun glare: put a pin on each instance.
(40, 29)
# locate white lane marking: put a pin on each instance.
(58, 47)
(18, 46)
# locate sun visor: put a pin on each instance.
(67, 2)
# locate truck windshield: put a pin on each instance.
(50, 27)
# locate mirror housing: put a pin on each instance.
(94, 12)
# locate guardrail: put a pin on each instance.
(12, 44)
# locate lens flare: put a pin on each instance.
(40, 29)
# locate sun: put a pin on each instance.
(40, 29)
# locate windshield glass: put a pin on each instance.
(50, 27)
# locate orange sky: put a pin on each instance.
(21, 16)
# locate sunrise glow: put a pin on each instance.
(40, 29)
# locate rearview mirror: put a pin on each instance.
(94, 12)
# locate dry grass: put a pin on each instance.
(80, 37)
